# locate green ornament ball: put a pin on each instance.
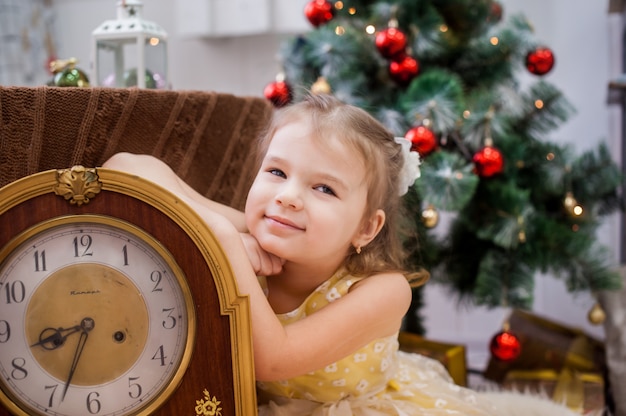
(71, 77)
(130, 78)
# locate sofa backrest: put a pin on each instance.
(207, 138)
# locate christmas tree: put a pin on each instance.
(442, 73)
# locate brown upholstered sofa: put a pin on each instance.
(206, 137)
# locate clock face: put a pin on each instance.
(95, 318)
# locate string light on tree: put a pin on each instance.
(319, 12)
(339, 5)
(540, 61)
(571, 205)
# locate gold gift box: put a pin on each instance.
(581, 392)
(452, 356)
(546, 344)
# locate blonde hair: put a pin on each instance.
(357, 129)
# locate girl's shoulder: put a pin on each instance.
(387, 280)
(344, 282)
(391, 287)
(387, 291)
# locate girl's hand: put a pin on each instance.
(263, 263)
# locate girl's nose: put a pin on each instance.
(289, 196)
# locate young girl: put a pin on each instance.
(320, 225)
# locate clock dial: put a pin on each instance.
(87, 291)
(95, 318)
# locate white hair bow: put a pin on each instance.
(411, 170)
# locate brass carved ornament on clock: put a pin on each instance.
(116, 299)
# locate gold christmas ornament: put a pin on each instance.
(430, 217)
(596, 314)
(321, 86)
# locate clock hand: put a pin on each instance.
(86, 325)
(56, 338)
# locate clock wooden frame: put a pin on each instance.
(221, 367)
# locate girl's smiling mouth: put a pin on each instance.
(282, 222)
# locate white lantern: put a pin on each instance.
(129, 46)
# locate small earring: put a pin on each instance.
(358, 249)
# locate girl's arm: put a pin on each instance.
(157, 171)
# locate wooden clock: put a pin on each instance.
(116, 299)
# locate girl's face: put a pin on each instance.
(308, 199)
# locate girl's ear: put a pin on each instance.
(370, 229)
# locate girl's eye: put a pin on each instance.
(325, 189)
(277, 172)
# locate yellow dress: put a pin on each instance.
(376, 380)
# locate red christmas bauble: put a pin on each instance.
(423, 140)
(319, 12)
(495, 14)
(488, 162)
(279, 93)
(390, 42)
(505, 346)
(540, 61)
(403, 70)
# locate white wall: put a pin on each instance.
(579, 32)
(239, 65)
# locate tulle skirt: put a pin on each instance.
(422, 387)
